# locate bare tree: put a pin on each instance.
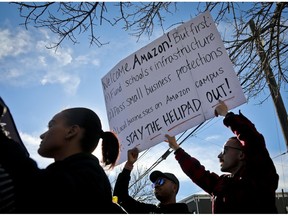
(271, 25)
(66, 19)
(140, 187)
(69, 19)
(258, 49)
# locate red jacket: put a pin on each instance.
(250, 190)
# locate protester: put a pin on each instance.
(250, 187)
(75, 182)
(166, 186)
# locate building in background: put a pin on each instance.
(198, 203)
(201, 203)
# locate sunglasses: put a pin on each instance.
(159, 182)
(224, 150)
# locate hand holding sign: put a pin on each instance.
(170, 85)
(221, 109)
(172, 142)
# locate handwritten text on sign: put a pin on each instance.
(170, 85)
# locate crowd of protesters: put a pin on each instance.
(77, 183)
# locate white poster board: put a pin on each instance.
(170, 85)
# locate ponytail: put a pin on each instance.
(110, 148)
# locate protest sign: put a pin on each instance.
(170, 85)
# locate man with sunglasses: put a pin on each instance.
(166, 186)
(250, 187)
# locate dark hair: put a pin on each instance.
(90, 122)
(238, 141)
(234, 138)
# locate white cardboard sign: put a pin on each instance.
(170, 85)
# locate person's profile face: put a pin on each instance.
(229, 157)
(53, 140)
(164, 188)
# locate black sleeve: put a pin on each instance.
(9, 148)
(21, 168)
(121, 185)
(127, 202)
(14, 158)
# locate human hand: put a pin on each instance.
(221, 109)
(132, 155)
(172, 142)
(240, 125)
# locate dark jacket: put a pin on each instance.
(7, 196)
(77, 184)
(252, 189)
(133, 206)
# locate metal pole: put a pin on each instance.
(275, 93)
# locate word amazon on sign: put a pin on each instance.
(170, 85)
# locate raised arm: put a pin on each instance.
(259, 163)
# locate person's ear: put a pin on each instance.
(174, 187)
(72, 131)
(242, 155)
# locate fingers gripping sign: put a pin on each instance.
(172, 142)
(221, 109)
